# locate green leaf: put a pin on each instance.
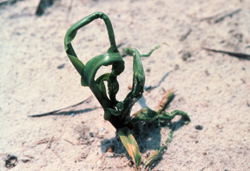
(138, 83)
(145, 114)
(113, 111)
(154, 156)
(79, 66)
(131, 145)
(151, 51)
(88, 70)
(170, 116)
(100, 81)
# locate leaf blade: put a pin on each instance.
(131, 145)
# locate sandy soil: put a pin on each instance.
(213, 88)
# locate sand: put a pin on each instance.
(213, 88)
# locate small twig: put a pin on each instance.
(57, 111)
(183, 37)
(28, 156)
(220, 17)
(57, 155)
(234, 54)
(44, 141)
(69, 142)
(50, 142)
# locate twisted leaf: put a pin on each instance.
(88, 71)
(138, 82)
(170, 116)
(118, 113)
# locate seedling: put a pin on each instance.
(118, 112)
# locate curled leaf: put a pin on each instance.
(169, 116)
(138, 83)
(88, 70)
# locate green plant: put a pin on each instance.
(118, 112)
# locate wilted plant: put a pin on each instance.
(118, 112)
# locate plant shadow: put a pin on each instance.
(148, 137)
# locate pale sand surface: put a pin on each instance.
(213, 88)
